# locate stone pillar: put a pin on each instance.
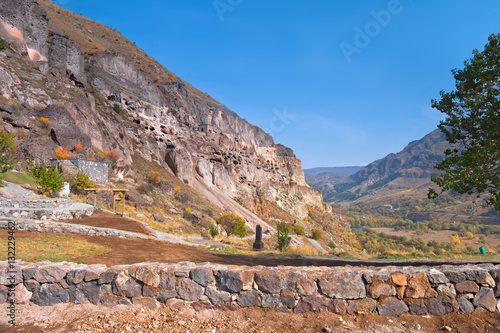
(258, 245)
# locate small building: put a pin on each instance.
(97, 171)
(205, 128)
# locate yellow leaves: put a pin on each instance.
(62, 153)
(45, 120)
(456, 238)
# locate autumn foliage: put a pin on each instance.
(45, 120)
(112, 155)
(154, 178)
(62, 153)
(78, 147)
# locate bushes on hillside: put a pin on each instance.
(298, 230)
(317, 234)
(3, 44)
(282, 234)
(49, 178)
(81, 181)
(233, 224)
(7, 146)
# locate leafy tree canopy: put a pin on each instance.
(473, 124)
(7, 146)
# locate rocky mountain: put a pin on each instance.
(96, 89)
(349, 170)
(404, 174)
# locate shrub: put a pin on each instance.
(3, 44)
(112, 155)
(317, 234)
(177, 189)
(81, 181)
(298, 230)
(469, 235)
(233, 224)
(7, 146)
(49, 178)
(456, 238)
(214, 231)
(187, 210)
(282, 234)
(77, 147)
(153, 178)
(332, 245)
(62, 153)
(45, 120)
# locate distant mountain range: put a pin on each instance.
(404, 175)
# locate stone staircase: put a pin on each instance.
(44, 209)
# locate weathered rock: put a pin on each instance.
(305, 286)
(484, 278)
(148, 275)
(113, 300)
(189, 290)
(441, 305)
(146, 302)
(4, 292)
(92, 273)
(203, 276)
(201, 306)
(50, 294)
(158, 218)
(437, 277)
(391, 306)
(338, 306)
(50, 274)
(10, 275)
(167, 280)
(92, 291)
(465, 305)
(343, 286)
(75, 276)
(366, 305)
(229, 281)
(485, 298)
(312, 303)
(417, 308)
(268, 281)
(399, 279)
(400, 292)
(271, 301)
(455, 276)
(419, 287)
(107, 276)
(216, 296)
(448, 289)
(249, 298)
(164, 295)
(466, 287)
(288, 299)
(28, 273)
(124, 285)
(227, 306)
(381, 288)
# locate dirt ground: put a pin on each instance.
(177, 318)
(108, 220)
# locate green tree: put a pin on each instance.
(49, 178)
(7, 146)
(282, 233)
(81, 181)
(3, 44)
(233, 224)
(473, 123)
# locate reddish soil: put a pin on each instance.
(108, 220)
(179, 318)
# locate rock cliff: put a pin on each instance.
(101, 91)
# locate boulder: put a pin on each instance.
(419, 287)
(271, 301)
(343, 286)
(486, 298)
(448, 289)
(229, 281)
(364, 306)
(484, 278)
(148, 275)
(467, 287)
(465, 305)
(312, 303)
(50, 294)
(437, 277)
(391, 306)
(216, 296)
(381, 288)
(189, 290)
(268, 281)
(399, 279)
(441, 305)
(455, 276)
(126, 286)
(50, 274)
(249, 298)
(203, 276)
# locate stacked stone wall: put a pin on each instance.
(390, 291)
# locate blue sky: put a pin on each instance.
(340, 82)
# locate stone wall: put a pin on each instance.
(389, 291)
(44, 209)
(97, 171)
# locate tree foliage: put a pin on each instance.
(233, 224)
(81, 181)
(282, 233)
(49, 178)
(473, 124)
(7, 146)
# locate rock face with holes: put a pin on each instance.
(289, 289)
(102, 92)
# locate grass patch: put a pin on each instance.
(19, 178)
(54, 249)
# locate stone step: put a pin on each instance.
(36, 203)
(75, 210)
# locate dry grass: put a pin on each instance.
(304, 250)
(52, 248)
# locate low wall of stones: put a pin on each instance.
(389, 291)
(44, 209)
(35, 204)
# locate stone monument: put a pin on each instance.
(258, 245)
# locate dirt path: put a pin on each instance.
(126, 251)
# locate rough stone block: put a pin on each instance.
(164, 295)
(466, 287)
(465, 305)
(381, 288)
(271, 301)
(148, 275)
(167, 280)
(50, 294)
(203, 276)
(417, 308)
(201, 306)
(312, 303)
(268, 281)
(455, 276)
(31, 284)
(419, 287)
(486, 298)
(288, 299)
(126, 286)
(364, 306)
(10, 275)
(146, 302)
(338, 306)
(448, 289)
(75, 276)
(437, 277)
(189, 290)
(400, 279)
(216, 296)
(249, 298)
(107, 276)
(391, 306)
(229, 281)
(484, 278)
(50, 274)
(343, 286)
(441, 305)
